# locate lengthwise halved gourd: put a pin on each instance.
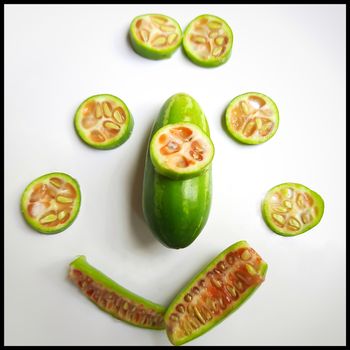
(114, 299)
(177, 210)
(214, 293)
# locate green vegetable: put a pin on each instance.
(113, 298)
(214, 293)
(177, 210)
(103, 121)
(51, 202)
(155, 36)
(290, 209)
(208, 41)
(252, 118)
(181, 151)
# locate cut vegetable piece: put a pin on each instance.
(181, 151)
(290, 209)
(218, 290)
(51, 202)
(252, 118)
(155, 36)
(103, 121)
(208, 41)
(113, 298)
(177, 210)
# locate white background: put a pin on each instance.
(56, 56)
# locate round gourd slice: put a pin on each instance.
(181, 151)
(155, 36)
(290, 209)
(103, 121)
(51, 202)
(252, 118)
(208, 41)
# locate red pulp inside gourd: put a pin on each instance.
(182, 147)
(217, 291)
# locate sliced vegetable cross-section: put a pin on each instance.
(208, 41)
(103, 121)
(155, 36)
(290, 209)
(181, 151)
(51, 202)
(218, 290)
(252, 118)
(114, 299)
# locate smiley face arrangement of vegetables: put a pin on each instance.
(114, 299)
(177, 186)
(155, 36)
(51, 203)
(290, 209)
(214, 293)
(208, 41)
(177, 210)
(103, 121)
(252, 118)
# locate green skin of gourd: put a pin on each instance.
(177, 210)
(216, 320)
(148, 51)
(316, 197)
(34, 223)
(214, 61)
(174, 174)
(81, 264)
(123, 135)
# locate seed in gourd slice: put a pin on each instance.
(51, 203)
(214, 293)
(290, 209)
(155, 36)
(181, 151)
(252, 118)
(113, 298)
(103, 121)
(208, 41)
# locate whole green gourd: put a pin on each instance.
(177, 210)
